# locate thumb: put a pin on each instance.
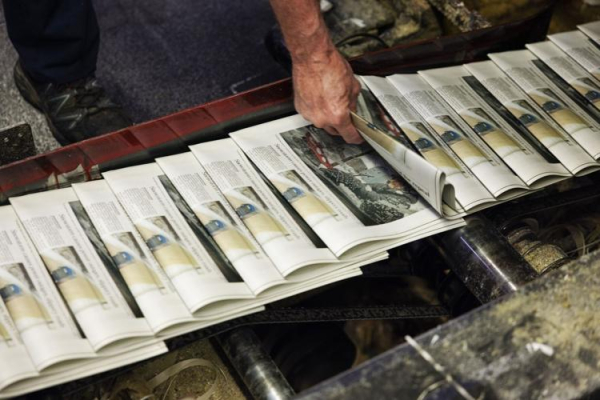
(349, 132)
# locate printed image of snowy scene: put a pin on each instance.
(356, 174)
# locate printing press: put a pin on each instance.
(504, 307)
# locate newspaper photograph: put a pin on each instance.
(468, 190)
(368, 186)
(256, 205)
(491, 171)
(213, 211)
(533, 117)
(100, 304)
(153, 291)
(34, 304)
(256, 215)
(458, 87)
(218, 256)
(179, 251)
(526, 70)
(358, 193)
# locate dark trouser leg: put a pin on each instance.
(57, 40)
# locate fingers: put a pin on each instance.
(340, 125)
(326, 96)
(348, 131)
(331, 130)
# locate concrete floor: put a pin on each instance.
(161, 56)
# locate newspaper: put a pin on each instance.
(548, 132)
(583, 87)
(587, 54)
(469, 192)
(91, 221)
(469, 99)
(304, 264)
(80, 266)
(592, 30)
(337, 187)
(531, 75)
(33, 302)
(153, 290)
(491, 171)
(201, 276)
(382, 133)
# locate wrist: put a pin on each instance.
(314, 48)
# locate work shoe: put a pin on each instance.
(75, 111)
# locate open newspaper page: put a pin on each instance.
(582, 86)
(592, 30)
(533, 117)
(16, 364)
(529, 73)
(205, 280)
(498, 179)
(32, 300)
(381, 132)
(153, 291)
(469, 99)
(348, 194)
(581, 48)
(80, 369)
(469, 192)
(80, 266)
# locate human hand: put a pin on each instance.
(325, 91)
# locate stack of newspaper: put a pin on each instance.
(98, 275)
(492, 131)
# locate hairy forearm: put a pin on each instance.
(325, 89)
(304, 30)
